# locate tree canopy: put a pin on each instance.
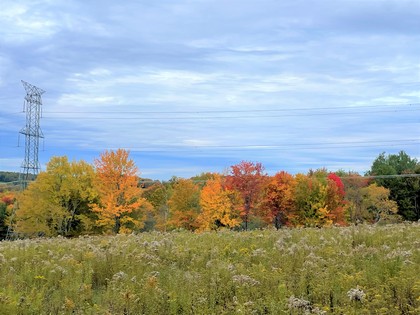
(74, 198)
(119, 193)
(404, 190)
(57, 202)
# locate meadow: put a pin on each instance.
(338, 270)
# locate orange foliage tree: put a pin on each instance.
(219, 206)
(278, 205)
(119, 192)
(247, 179)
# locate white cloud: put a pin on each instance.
(193, 66)
(23, 22)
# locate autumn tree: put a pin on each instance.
(219, 206)
(353, 186)
(278, 205)
(310, 201)
(120, 201)
(335, 199)
(247, 178)
(376, 204)
(157, 195)
(319, 199)
(7, 200)
(184, 204)
(58, 201)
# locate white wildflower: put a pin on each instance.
(120, 275)
(245, 280)
(258, 252)
(2, 259)
(303, 306)
(297, 303)
(356, 294)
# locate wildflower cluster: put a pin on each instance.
(304, 306)
(356, 295)
(292, 271)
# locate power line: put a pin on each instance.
(195, 115)
(304, 109)
(345, 177)
(279, 147)
(232, 114)
(222, 117)
(380, 176)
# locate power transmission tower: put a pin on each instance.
(32, 131)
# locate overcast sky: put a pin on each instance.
(196, 86)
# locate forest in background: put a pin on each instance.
(72, 198)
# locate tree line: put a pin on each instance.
(72, 198)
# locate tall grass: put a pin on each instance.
(351, 270)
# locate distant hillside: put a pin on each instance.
(6, 177)
(10, 180)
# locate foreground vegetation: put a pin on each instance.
(337, 270)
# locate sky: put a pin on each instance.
(195, 86)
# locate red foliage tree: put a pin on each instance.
(335, 199)
(248, 179)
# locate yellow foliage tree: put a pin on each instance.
(220, 207)
(311, 201)
(57, 202)
(184, 206)
(7, 200)
(377, 205)
(119, 208)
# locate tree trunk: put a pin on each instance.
(117, 225)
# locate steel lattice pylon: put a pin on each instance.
(32, 132)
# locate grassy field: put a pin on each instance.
(352, 270)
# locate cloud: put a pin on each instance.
(201, 85)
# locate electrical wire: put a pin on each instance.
(305, 109)
(280, 147)
(197, 115)
(217, 117)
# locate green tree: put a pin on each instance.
(404, 190)
(58, 201)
